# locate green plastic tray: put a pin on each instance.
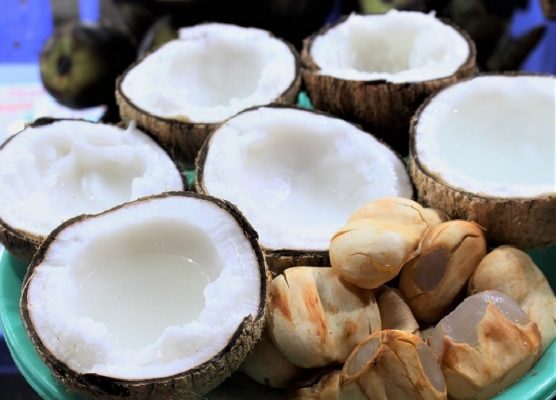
(537, 384)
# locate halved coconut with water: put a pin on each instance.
(56, 169)
(377, 69)
(484, 150)
(159, 298)
(297, 175)
(183, 90)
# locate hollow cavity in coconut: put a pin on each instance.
(377, 241)
(450, 253)
(392, 364)
(202, 283)
(297, 175)
(377, 69)
(483, 150)
(184, 89)
(315, 318)
(512, 272)
(56, 169)
(486, 344)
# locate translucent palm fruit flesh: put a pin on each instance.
(486, 344)
(512, 272)
(392, 365)
(377, 241)
(450, 252)
(316, 319)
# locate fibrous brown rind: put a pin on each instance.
(182, 138)
(280, 260)
(186, 385)
(382, 108)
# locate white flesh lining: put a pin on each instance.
(78, 332)
(212, 72)
(297, 176)
(494, 136)
(399, 46)
(53, 172)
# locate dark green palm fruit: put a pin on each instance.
(162, 31)
(79, 64)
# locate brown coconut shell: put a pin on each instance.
(382, 108)
(19, 242)
(521, 222)
(180, 137)
(189, 384)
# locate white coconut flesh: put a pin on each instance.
(399, 46)
(56, 171)
(297, 175)
(492, 135)
(210, 73)
(148, 290)
(461, 324)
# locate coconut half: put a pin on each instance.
(485, 150)
(183, 90)
(297, 175)
(56, 169)
(159, 298)
(377, 69)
